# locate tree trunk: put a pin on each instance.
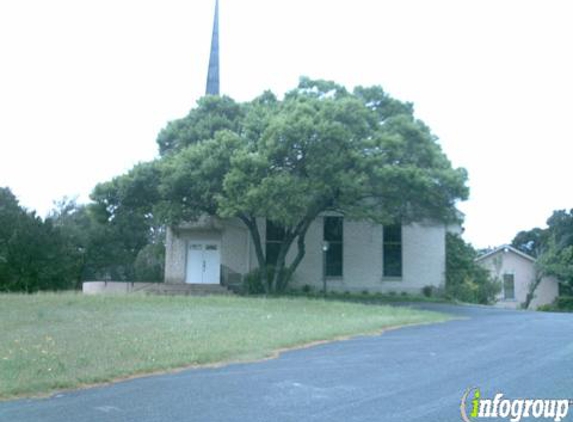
(282, 273)
(301, 246)
(278, 283)
(532, 288)
(251, 224)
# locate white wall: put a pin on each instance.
(424, 252)
(423, 256)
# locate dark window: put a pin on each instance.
(392, 250)
(333, 235)
(508, 286)
(275, 235)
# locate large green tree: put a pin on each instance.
(34, 254)
(109, 239)
(322, 148)
(126, 240)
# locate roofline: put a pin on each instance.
(505, 248)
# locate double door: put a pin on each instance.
(203, 263)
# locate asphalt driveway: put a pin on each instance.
(411, 374)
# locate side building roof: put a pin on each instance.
(505, 249)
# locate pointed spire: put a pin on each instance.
(213, 74)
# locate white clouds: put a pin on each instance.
(86, 86)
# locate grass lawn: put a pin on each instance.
(59, 341)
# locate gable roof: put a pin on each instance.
(505, 248)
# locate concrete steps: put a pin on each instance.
(114, 287)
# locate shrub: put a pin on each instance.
(252, 283)
(561, 304)
(546, 308)
(428, 291)
(564, 303)
(466, 281)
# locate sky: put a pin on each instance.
(85, 86)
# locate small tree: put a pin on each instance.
(553, 248)
(557, 257)
(533, 285)
(465, 279)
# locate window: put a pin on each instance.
(333, 235)
(508, 286)
(392, 250)
(275, 235)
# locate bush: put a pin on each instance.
(466, 281)
(564, 303)
(433, 292)
(252, 283)
(428, 291)
(547, 308)
(561, 304)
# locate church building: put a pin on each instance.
(348, 255)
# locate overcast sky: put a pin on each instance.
(85, 86)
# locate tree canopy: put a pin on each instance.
(110, 239)
(321, 148)
(557, 259)
(530, 242)
(553, 246)
(127, 240)
(34, 254)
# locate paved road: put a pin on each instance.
(411, 374)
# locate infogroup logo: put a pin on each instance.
(474, 407)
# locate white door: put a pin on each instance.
(194, 263)
(203, 263)
(212, 266)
